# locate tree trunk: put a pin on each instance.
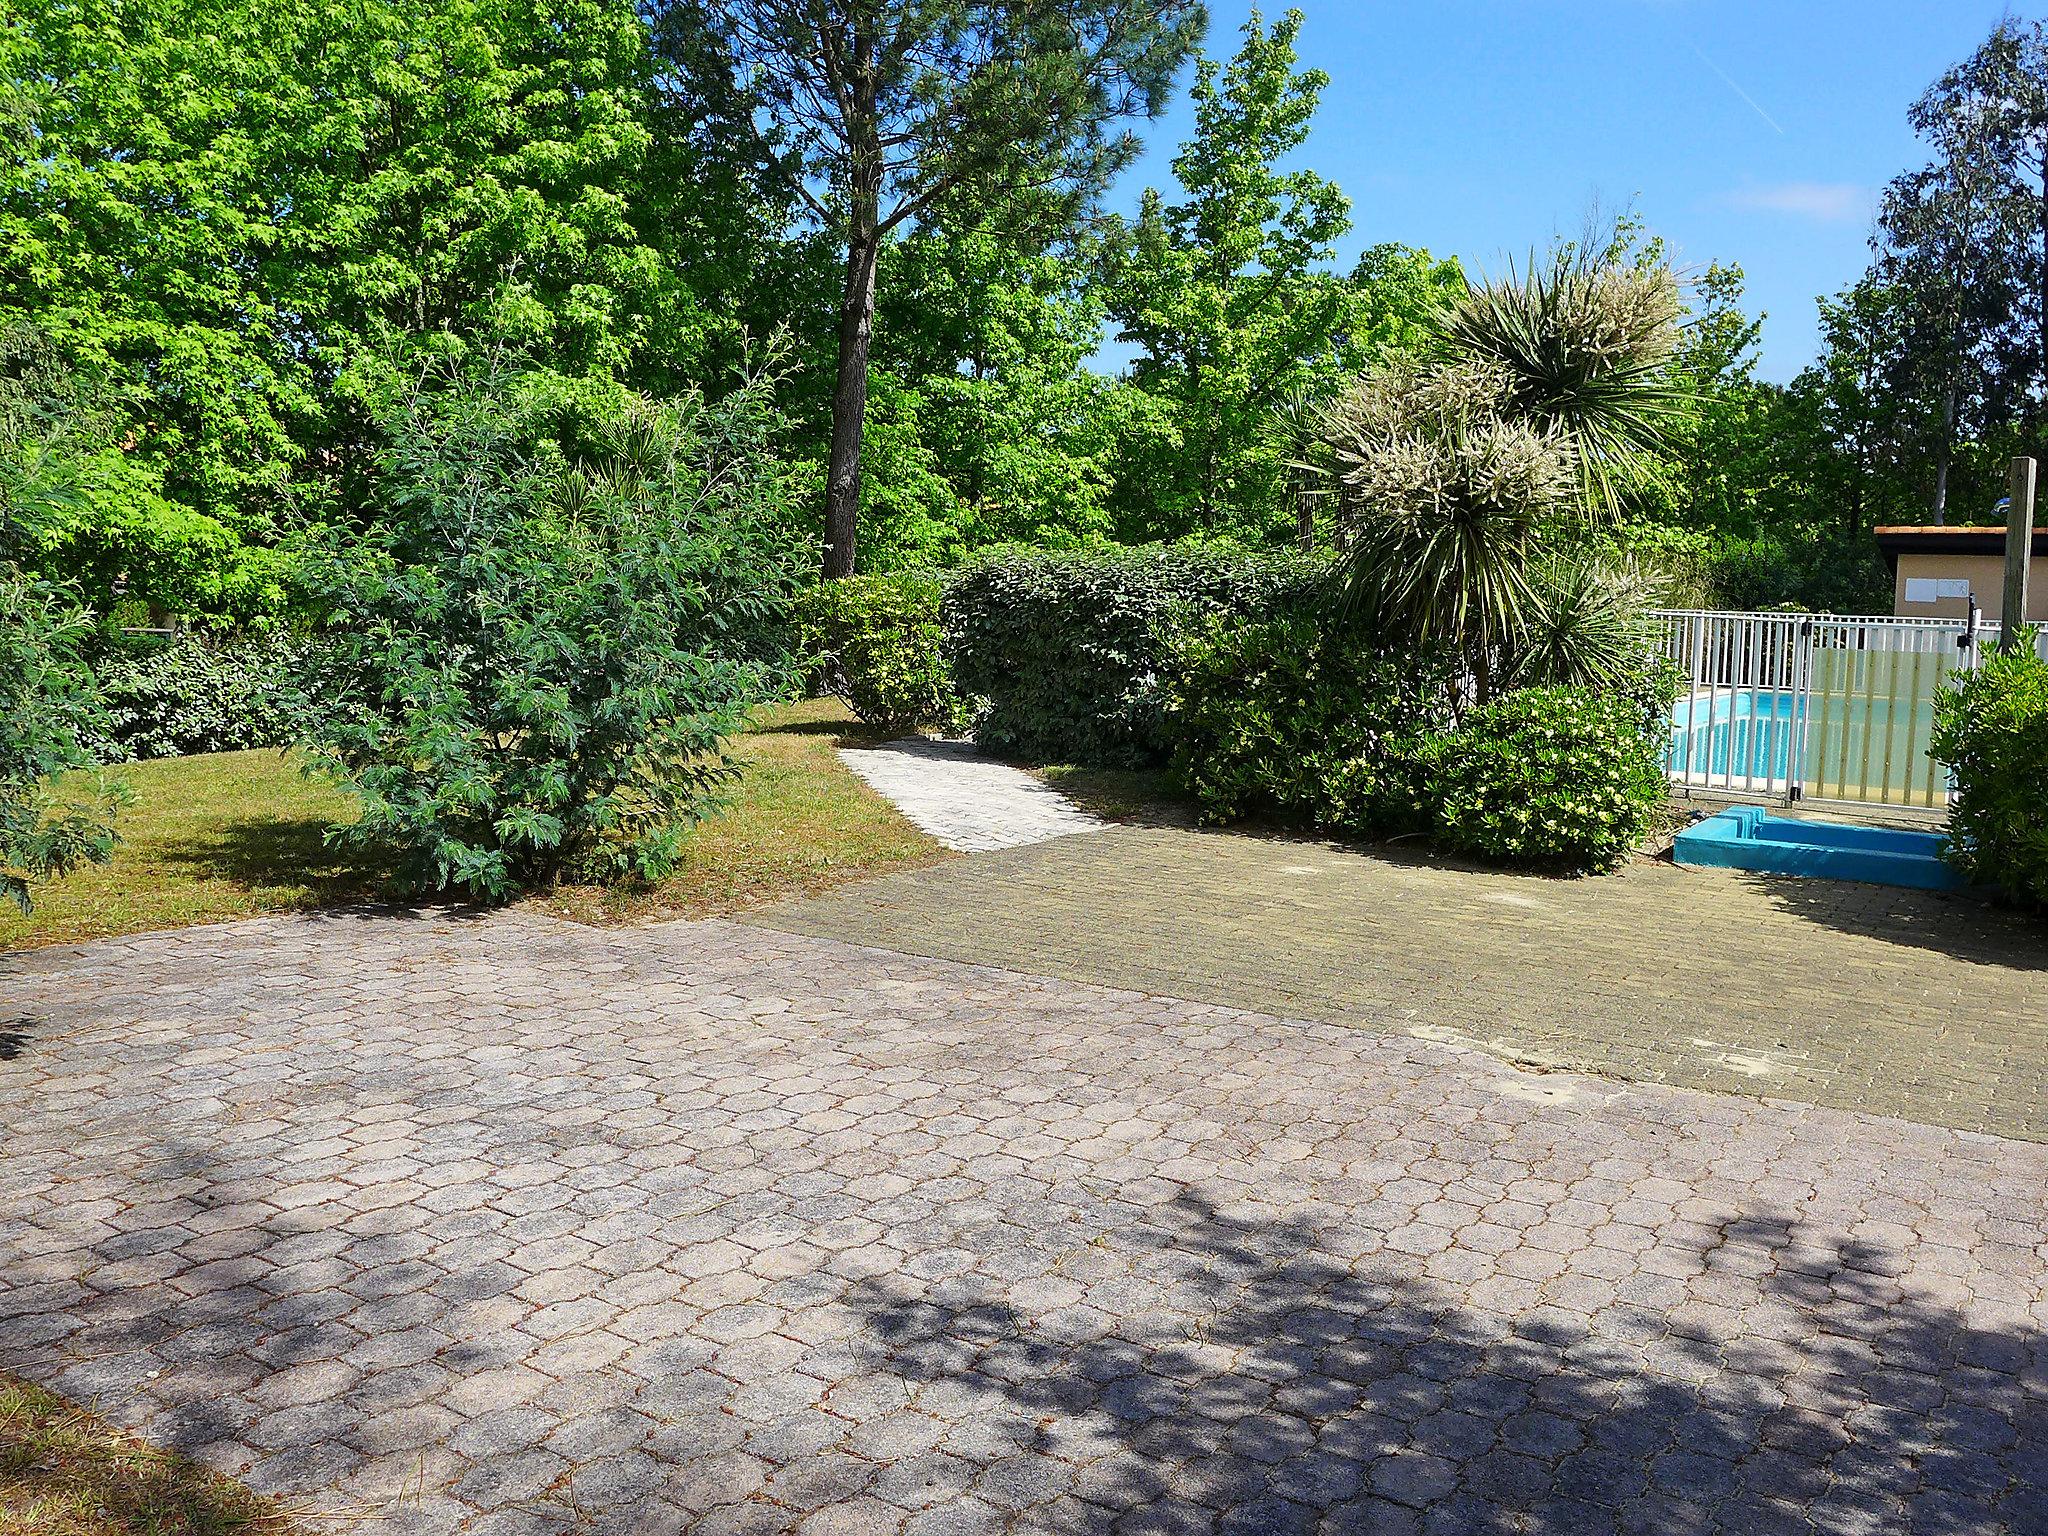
(1944, 451)
(856, 304)
(850, 402)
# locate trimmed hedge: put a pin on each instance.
(1991, 733)
(195, 693)
(1299, 719)
(1065, 652)
(876, 641)
(1307, 722)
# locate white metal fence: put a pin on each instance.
(1820, 706)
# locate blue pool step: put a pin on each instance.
(1745, 837)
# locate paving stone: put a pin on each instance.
(963, 799)
(778, 1233)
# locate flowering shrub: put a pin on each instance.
(1554, 778)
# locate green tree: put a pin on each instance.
(49, 705)
(224, 211)
(1227, 295)
(880, 113)
(537, 659)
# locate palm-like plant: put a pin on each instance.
(1441, 496)
(1586, 346)
(1586, 625)
(1453, 471)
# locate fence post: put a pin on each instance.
(2019, 553)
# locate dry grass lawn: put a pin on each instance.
(64, 1472)
(238, 834)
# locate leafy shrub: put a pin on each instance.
(1297, 719)
(539, 668)
(46, 704)
(876, 641)
(198, 694)
(1554, 778)
(1064, 652)
(1991, 732)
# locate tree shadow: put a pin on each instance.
(14, 1036)
(271, 852)
(1963, 925)
(1289, 1390)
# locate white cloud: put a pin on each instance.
(1824, 202)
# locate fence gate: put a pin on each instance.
(1814, 706)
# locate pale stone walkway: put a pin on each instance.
(961, 798)
(512, 1228)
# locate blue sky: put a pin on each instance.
(1746, 132)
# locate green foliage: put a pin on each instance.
(1225, 294)
(230, 207)
(1065, 652)
(1822, 573)
(47, 705)
(199, 693)
(1991, 733)
(877, 642)
(884, 117)
(541, 665)
(1550, 778)
(1587, 624)
(1301, 719)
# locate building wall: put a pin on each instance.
(1986, 575)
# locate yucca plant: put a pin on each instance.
(1586, 624)
(1545, 391)
(1585, 346)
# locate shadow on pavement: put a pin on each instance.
(1304, 1394)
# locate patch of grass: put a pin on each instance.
(206, 840)
(238, 834)
(798, 822)
(64, 1472)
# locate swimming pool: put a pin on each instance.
(1739, 737)
(1835, 745)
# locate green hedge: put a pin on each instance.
(876, 641)
(1301, 720)
(1991, 732)
(195, 693)
(1065, 652)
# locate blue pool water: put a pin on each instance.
(1744, 734)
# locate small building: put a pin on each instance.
(1935, 572)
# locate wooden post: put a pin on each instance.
(2019, 553)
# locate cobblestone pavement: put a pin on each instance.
(1920, 1004)
(963, 799)
(509, 1226)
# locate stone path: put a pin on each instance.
(963, 799)
(1919, 1004)
(514, 1227)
